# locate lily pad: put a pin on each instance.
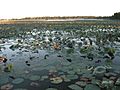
(116, 88)
(66, 63)
(117, 82)
(51, 89)
(91, 87)
(67, 80)
(34, 77)
(6, 87)
(96, 81)
(53, 70)
(34, 84)
(99, 71)
(107, 83)
(72, 77)
(56, 80)
(60, 73)
(3, 80)
(81, 83)
(44, 77)
(71, 72)
(20, 89)
(18, 81)
(75, 87)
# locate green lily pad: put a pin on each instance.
(56, 80)
(96, 82)
(3, 80)
(81, 83)
(71, 72)
(65, 79)
(66, 63)
(34, 77)
(20, 89)
(75, 87)
(51, 89)
(117, 82)
(107, 83)
(91, 87)
(6, 87)
(18, 81)
(60, 73)
(99, 70)
(43, 78)
(116, 88)
(72, 77)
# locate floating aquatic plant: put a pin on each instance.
(117, 82)
(34, 77)
(71, 72)
(99, 71)
(110, 52)
(34, 84)
(71, 77)
(43, 78)
(6, 87)
(18, 81)
(109, 62)
(107, 84)
(75, 87)
(20, 89)
(81, 83)
(8, 68)
(3, 79)
(56, 80)
(91, 87)
(70, 50)
(51, 89)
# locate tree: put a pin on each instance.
(116, 15)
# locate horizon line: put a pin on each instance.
(49, 16)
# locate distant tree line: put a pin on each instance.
(59, 17)
(116, 16)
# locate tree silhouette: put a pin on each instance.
(116, 15)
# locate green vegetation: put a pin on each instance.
(116, 16)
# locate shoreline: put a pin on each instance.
(16, 21)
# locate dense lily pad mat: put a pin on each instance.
(61, 56)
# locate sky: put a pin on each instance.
(34, 8)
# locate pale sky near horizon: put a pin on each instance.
(33, 8)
